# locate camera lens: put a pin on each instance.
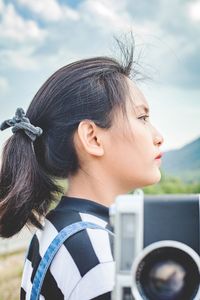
(166, 278)
(167, 273)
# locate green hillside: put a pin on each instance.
(184, 162)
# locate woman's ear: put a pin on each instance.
(89, 138)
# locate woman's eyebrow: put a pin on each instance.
(144, 107)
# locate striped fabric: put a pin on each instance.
(83, 267)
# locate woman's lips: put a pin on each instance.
(159, 156)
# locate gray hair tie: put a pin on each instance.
(19, 121)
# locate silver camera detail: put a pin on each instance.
(162, 270)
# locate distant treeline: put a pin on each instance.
(173, 185)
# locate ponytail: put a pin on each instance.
(26, 191)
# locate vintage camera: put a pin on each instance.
(156, 247)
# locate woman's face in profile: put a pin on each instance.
(133, 149)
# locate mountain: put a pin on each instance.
(183, 162)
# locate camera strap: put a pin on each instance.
(52, 249)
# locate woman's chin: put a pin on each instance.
(154, 178)
(157, 177)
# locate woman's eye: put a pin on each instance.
(144, 118)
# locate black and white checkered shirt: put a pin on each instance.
(83, 267)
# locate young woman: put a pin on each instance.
(88, 123)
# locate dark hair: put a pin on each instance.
(90, 88)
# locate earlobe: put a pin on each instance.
(87, 135)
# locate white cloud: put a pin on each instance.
(1, 6)
(50, 10)
(194, 10)
(113, 16)
(106, 14)
(20, 38)
(4, 86)
(21, 58)
(14, 27)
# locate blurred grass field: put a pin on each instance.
(11, 266)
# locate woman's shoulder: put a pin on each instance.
(84, 260)
(96, 244)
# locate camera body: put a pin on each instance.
(156, 247)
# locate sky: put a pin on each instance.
(38, 37)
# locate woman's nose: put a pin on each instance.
(158, 139)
